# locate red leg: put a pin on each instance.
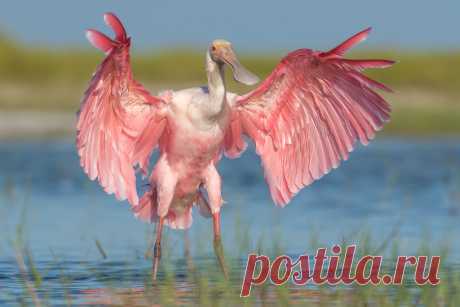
(157, 248)
(216, 225)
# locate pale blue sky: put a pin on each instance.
(250, 25)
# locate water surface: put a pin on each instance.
(403, 191)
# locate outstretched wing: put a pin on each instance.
(307, 115)
(119, 122)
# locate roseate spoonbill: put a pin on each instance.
(304, 118)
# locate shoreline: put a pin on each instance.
(415, 113)
(36, 124)
(29, 125)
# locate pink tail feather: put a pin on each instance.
(182, 220)
(146, 211)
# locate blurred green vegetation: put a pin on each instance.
(426, 84)
(434, 70)
(197, 281)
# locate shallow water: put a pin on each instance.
(403, 190)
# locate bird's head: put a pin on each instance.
(222, 53)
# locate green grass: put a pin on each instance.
(54, 80)
(204, 285)
(200, 281)
(424, 121)
(429, 70)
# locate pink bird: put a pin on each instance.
(304, 118)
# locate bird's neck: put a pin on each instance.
(216, 87)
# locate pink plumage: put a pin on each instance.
(114, 113)
(99, 40)
(112, 21)
(307, 115)
(304, 118)
(342, 48)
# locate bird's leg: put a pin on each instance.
(157, 248)
(213, 187)
(218, 248)
(165, 180)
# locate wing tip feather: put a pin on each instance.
(115, 23)
(349, 43)
(99, 40)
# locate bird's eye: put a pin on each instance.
(213, 48)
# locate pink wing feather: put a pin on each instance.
(307, 115)
(119, 122)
